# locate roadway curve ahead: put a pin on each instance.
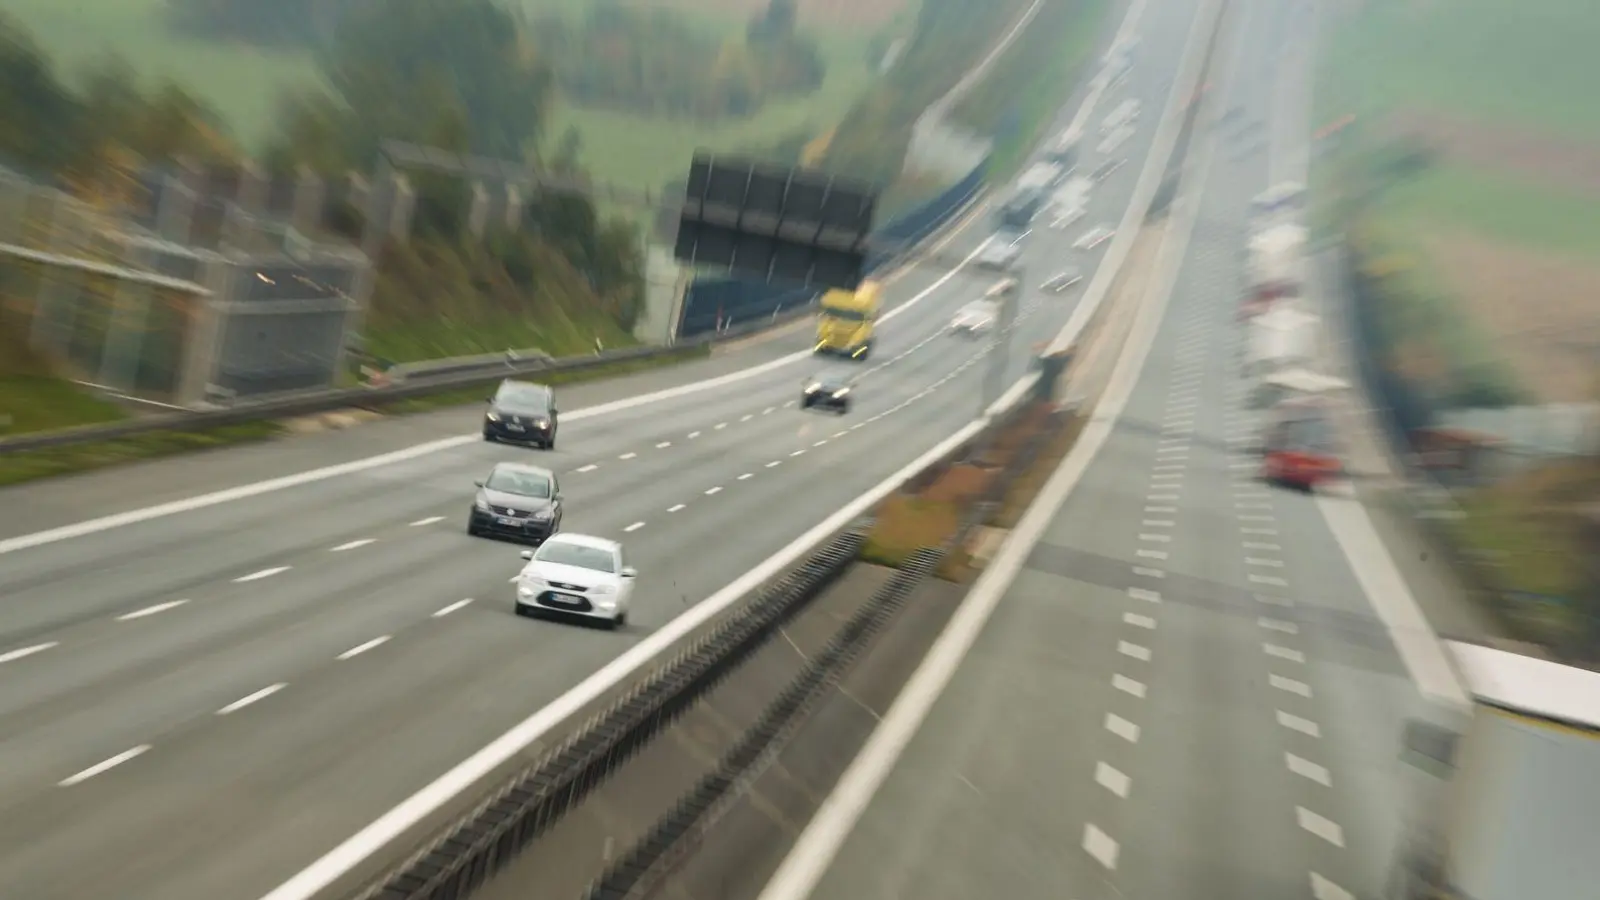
(198, 704)
(1185, 692)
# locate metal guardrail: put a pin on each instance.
(484, 841)
(441, 381)
(496, 831)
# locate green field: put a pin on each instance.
(245, 82)
(1532, 63)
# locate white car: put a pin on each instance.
(577, 575)
(1094, 237)
(1061, 281)
(1000, 254)
(975, 319)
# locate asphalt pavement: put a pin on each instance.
(196, 701)
(1186, 692)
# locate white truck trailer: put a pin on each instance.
(1517, 814)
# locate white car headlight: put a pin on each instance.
(526, 591)
(481, 504)
(493, 417)
(840, 393)
(602, 589)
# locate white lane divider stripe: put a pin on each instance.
(362, 648)
(432, 519)
(353, 545)
(634, 527)
(264, 573)
(589, 468)
(676, 507)
(103, 766)
(712, 492)
(628, 456)
(459, 604)
(262, 694)
(147, 611)
(13, 655)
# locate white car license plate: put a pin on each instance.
(566, 600)
(505, 521)
(514, 428)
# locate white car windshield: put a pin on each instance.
(561, 553)
(524, 484)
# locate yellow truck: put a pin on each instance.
(846, 320)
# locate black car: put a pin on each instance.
(517, 501)
(826, 393)
(522, 412)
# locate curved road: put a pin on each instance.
(1191, 688)
(197, 703)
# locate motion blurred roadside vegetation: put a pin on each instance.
(1464, 186)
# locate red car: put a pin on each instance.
(1300, 450)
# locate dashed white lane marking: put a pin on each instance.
(746, 476)
(1138, 621)
(1167, 476)
(712, 492)
(103, 766)
(432, 519)
(798, 453)
(362, 648)
(634, 527)
(1270, 600)
(1134, 650)
(840, 434)
(1295, 723)
(1170, 455)
(820, 443)
(1257, 545)
(1150, 554)
(1251, 504)
(774, 464)
(1160, 509)
(1278, 625)
(1173, 467)
(264, 573)
(1159, 523)
(1112, 780)
(12, 655)
(663, 445)
(1161, 496)
(1263, 532)
(1270, 580)
(141, 613)
(1305, 768)
(447, 610)
(675, 507)
(1148, 572)
(1122, 728)
(1099, 845)
(1128, 685)
(1257, 518)
(1291, 655)
(1242, 465)
(1289, 684)
(768, 410)
(1320, 825)
(1156, 538)
(693, 435)
(353, 545)
(589, 468)
(1323, 889)
(262, 694)
(628, 456)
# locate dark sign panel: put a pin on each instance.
(775, 224)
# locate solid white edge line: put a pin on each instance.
(397, 821)
(803, 868)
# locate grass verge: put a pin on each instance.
(16, 468)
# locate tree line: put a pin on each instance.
(615, 57)
(462, 75)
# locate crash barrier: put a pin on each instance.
(642, 870)
(487, 838)
(531, 802)
(322, 401)
(710, 304)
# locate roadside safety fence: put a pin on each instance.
(531, 802)
(643, 870)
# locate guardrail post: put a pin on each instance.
(204, 336)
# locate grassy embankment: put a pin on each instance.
(1488, 241)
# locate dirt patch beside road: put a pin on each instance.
(1567, 164)
(1543, 310)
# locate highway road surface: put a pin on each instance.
(1187, 692)
(214, 669)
